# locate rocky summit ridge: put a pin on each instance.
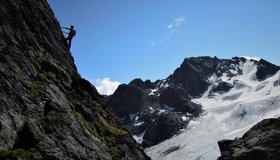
(47, 111)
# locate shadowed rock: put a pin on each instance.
(266, 69)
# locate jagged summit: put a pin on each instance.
(194, 72)
(47, 111)
(156, 111)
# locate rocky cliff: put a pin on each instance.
(47, 111)
(155, 111)
(261, 142)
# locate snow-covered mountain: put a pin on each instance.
(205, 100)
(228, 113)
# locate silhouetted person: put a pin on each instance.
(71, 34)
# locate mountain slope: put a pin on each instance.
(47, 111)
(240, 93)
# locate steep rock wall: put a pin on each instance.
(47, 111)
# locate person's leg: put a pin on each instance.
(70, 39)
(67, 39)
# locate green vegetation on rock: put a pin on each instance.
(110, 128)
(20, 154)
(51, 122)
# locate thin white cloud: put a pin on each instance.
(179, 21)
(172, 28)
(167, 36)
(105, 86)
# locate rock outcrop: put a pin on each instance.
(261, 142)
(47, 111)
(266, 69)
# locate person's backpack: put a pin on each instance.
(72, 33)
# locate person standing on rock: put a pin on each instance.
(71, 34)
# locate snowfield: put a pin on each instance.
(226, 115)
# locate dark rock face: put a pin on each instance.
(164, 126)
(47, 111)
(194, 72)
(175, 97)
(261, 142)
(266, 69)
(222, 87)
(127, 97)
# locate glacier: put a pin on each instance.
(226, 115)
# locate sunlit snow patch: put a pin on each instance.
(184, 118)
(153, 91)
(161, 111)
(139, 137)
(138, 123)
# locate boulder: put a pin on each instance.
(261, 142)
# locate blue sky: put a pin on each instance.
(126, 39)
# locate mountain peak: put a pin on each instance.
(237, 93)
(147, 107)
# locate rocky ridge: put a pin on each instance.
(155, 111)
(47, 111)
